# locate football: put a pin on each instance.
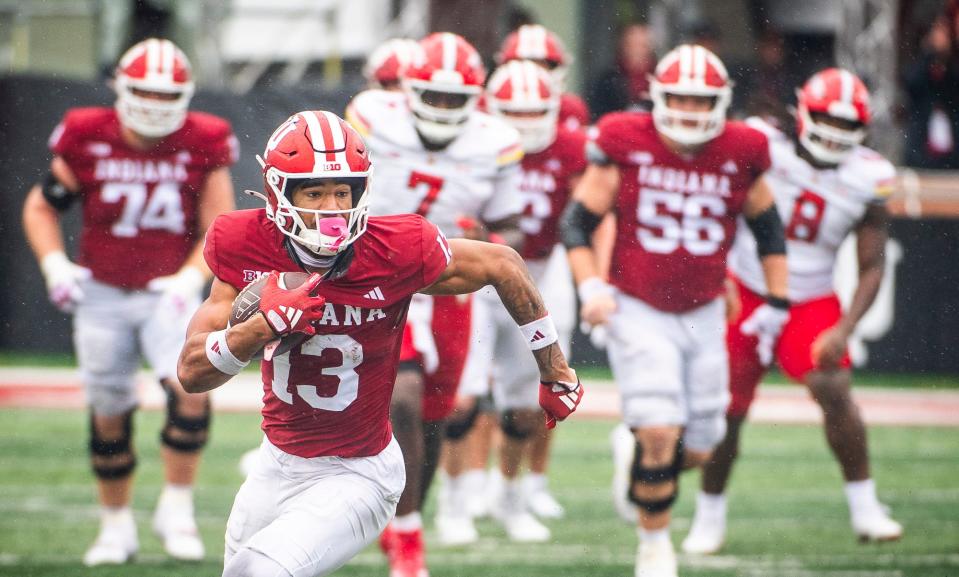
(247, 303)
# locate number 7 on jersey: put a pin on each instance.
(431, 183)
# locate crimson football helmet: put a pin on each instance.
(310, 145)
(443, 84)
(524, 94)
(153, 65)
(384, 68)
(536, 43)
(690, 70)
(838, 94)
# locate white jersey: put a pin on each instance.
(819, 207)
(476, 176)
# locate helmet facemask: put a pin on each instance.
(826, 143)
(440, 111)
(674, 124)
(331, 230)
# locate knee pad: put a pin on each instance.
(250, 563)
(456, 430)
(182, 433)
(512, 427)
(113, 458)
(657, 476)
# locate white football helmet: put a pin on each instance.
(690, 70)
(443, 84)
(524, 94)
(153, 66)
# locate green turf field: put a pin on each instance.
(788, 516)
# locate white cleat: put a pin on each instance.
(624, 450)
(544, 505)
(523, 527)
(177, 530)
(656, 560)
(706, 537)
(455, 530)
(876, 525)
(116, 544)
(510, 509)
(708, 531)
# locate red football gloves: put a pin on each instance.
(291, 310)
(559, 400)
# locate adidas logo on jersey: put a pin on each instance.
(376, 295)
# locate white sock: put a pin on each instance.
(653, 536)
(535, 482)
(408, 523)
(176, 496)
(711, 506)
(117, 517)
(861, 496)
(474, 480)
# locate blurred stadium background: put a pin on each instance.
(259, 60)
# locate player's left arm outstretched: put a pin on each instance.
(871, 236)
(473, 265)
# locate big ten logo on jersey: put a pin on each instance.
(536, 188)
(149, 191)
(681, 208)
(880, 317)
(251, 275)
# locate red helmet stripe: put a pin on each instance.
(321, 136)
(339, 138)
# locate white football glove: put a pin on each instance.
(63, 279)
(420, 318)
(597, 301)
(180, 290)
(765, 324)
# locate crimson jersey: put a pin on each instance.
(676, 215)
(139, 206)
(573, 112)
(330, 396)
(545, 188)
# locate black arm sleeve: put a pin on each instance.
(577, 225)
(56, 195)
(767, 227)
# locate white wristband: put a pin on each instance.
(220, 355)
(540, 333)
(593, 286)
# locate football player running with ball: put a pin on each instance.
(826, 186)
(330, 472)
(678, 179)
(150, 177)
(459, 168)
